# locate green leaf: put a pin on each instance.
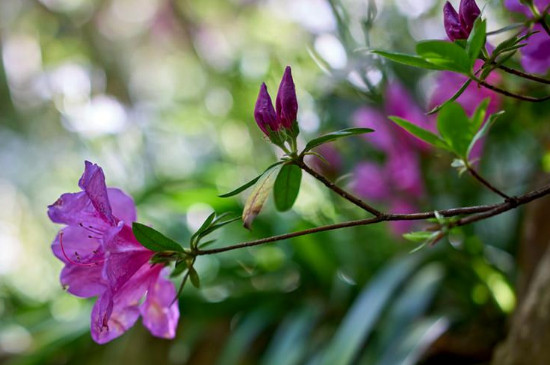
(408, 60)
(453, 98)
(366, 311)
(216, 226)
(258, 196)
(206, 224)
(476, 40)
(479, 115)
(179, 268)
(335, 135)
(287, 186)
(454, 126)
(483, 131)
(194, 277)
(420, 133)
(250, 183)
(448, 56)
(417, 237)
(154, 240)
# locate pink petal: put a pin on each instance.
(122, 205)
(93, 184)
(160, 312)
(124, 256)
(75, 209)
(382, 137)
(78, 244)
(117, 310)
(109, 321)
(370, 181)
(83, 281)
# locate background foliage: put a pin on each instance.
(161, 94)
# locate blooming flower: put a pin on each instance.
(536, 53)
(103, 258)
(459, 25)
(397, 181)
(286, 107)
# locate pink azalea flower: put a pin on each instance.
(398, 182)
(102, 258)
(536, 54)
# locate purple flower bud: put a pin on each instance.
(468, 13)
(264, 113)
(286, 103)
(452, 23)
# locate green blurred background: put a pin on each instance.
(160, 93)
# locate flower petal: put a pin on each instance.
(286, 103)
(160, 312)
(123, 205)
(453, 28)
(109, 321)
(78, 246)
(264, 114)
(93, 184)
(124, 256)
(83, 281)
(75, 209)
(117, 310)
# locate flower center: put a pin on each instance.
(78, 263)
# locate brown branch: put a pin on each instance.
(486, 183)
(344, 194)
(479, 212)
(511, 94)
(524, 75)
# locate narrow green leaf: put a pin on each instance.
(454, 126)
(453, 98)
(476, 40)
(420, 133)
(417, 237)
(335, 135)
(205, 225)
(250, 183)
(366, 311)
(217, 226)
(194, 277)
(287, 187)
(258, 196)
(178, 269)
(479, 115)
(408, 60)
(154, 240)
(483, 131)
(446, 55)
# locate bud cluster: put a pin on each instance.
(279, 123)
(459, 25)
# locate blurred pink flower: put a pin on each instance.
(103, 258)
(536, 54)
(332, 163)
(397, 182)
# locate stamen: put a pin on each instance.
(76, 254)
(90, 229)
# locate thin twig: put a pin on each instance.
(344, 194)
(525, 75)
(479, 212)
(511, 94)
(486, 183)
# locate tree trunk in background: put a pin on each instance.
(528, 341)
